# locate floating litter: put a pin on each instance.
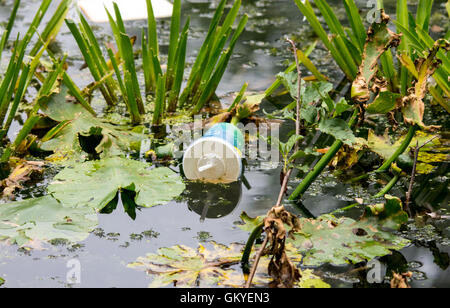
(217, 156)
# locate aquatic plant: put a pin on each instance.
(206, 73)
(347, 45)
(19, 73)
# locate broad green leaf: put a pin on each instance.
(339, 129)
(183, 266)
(75, 121)
(96, 183)
(341, 107)
(386, 101)
(45, 219)
(290, 82)
(2, 281)
(342, 240)
(389, 214)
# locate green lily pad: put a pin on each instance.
(44, 219)
(311, 281)
(344, 240)
(75, 122)
(96, 183)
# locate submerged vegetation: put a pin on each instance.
(392, 82)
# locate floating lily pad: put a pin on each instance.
(96, 183)
(344, 240)
(44, 219)
(184, 266)
(75, 122)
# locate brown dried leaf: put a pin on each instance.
(22, 173)
(400, 281)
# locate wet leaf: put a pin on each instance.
(96, 183)
(340, 130)
(182, 266)
(342, 240)
(309, 280)
(389, 215)
(44, 219)
(75, 122)
(386, 101)
(249, 223)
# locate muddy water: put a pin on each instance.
(260, 54)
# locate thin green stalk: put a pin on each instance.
(17, 99)
(239, 97)
(178, 75)
(320, 166)
(402, 17)
(173, 43)
(210, 88)
(130, 66)
(7, 32)
(89, 58)
(389, 186)
(307, 10)
(132, 103)
(356, 23)
(400, 150)
(33, 117)
(256, 233)
(159, 102)
(53, 26)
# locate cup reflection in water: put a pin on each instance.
(217, 156)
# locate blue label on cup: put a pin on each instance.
(228, 132)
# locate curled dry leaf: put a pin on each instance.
(379, 39)
(400, 281)
(281, 268)
(23, 172)
(413, 106)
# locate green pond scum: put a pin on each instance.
(350, 100)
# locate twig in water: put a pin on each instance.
(255, 265)
(413, 173)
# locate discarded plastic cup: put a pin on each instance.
(217, 156)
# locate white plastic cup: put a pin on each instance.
(216, 157)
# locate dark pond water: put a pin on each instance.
(260, 55)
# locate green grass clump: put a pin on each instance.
(165, 83)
